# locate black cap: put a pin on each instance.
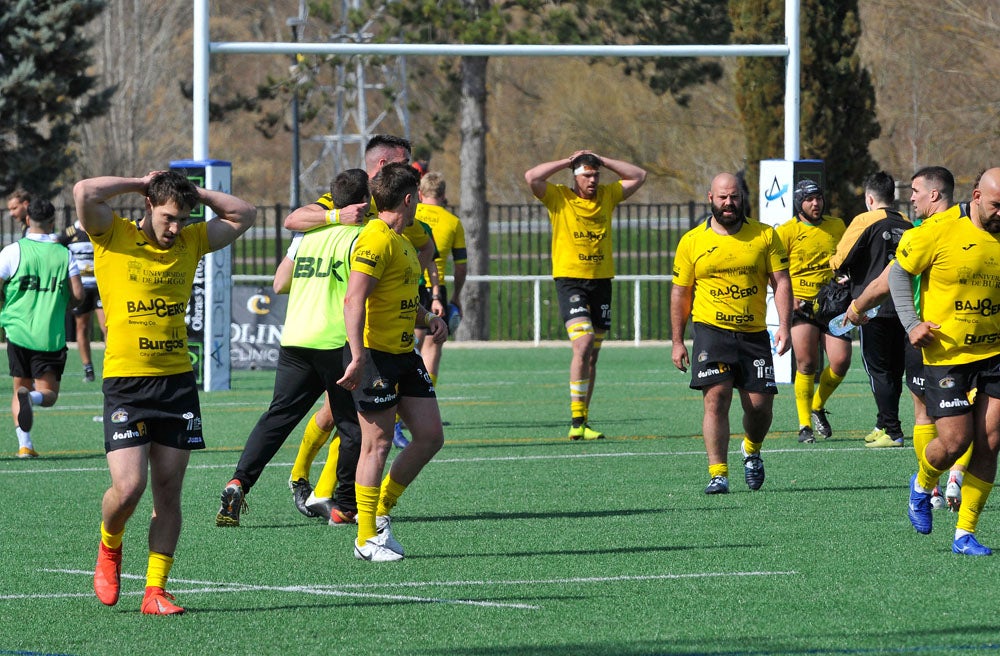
(804, 189)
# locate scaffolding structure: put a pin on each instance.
(364, 94)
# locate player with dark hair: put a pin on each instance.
(310, 361)
(152, 417)
(383, 372)
(582, 262)
(39, 277)
(867, 247)
(17, 205)
(956, 329)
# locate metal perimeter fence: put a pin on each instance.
(520, 287)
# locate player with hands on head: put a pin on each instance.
(583, 262)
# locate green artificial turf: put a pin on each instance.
(518, 541)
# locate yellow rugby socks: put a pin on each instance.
(367, 498)
(975, 492)
(803, 397)
(328, 477)
(158, 570)
(111, 540)
(922, 436)
(828, 383)
(313, 440)
(388, 495)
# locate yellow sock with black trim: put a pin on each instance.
(313, 440)
(927, 475)
(327, 482)
(963, 460)
(975, 492)
(367, 498)
(751, 447)
(111, 540)
(389, 495)
(828, 383)
(158, 570)
(922, 436)
(578, 400)
(721, 469)
(803, 397)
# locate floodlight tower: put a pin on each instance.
(365, 93)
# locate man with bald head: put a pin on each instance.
(958, 331)
(722, 269)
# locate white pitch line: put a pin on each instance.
(562, 581)
(216, 587)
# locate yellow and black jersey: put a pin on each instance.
(449, 235)
(867, 247)
(809, 249)
(391, 308)
(959, 268)
(950, 214)
(419, 234)
(730, 273)
(145, 291)
(581, 231)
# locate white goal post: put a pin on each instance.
(204, 48)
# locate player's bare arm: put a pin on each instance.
(681, 297)
(91, 198)
(781, 283)
(234, 216)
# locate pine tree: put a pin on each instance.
(45, 92)
(838, 121)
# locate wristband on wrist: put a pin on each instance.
(855, 309)
(333, 216)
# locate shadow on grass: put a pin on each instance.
(647, 649)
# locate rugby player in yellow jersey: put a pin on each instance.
(810, 239)
(382, 371)
(932, 189)
(582, 263)
(152, 419)
(380, 150)
(310, 361)
(959, 267)
(449, 238)
(721, 272)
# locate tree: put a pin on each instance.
(129, 139)
(45, 91)
(838, 121)
(934, 68)
(688, 22)
(533, 21)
